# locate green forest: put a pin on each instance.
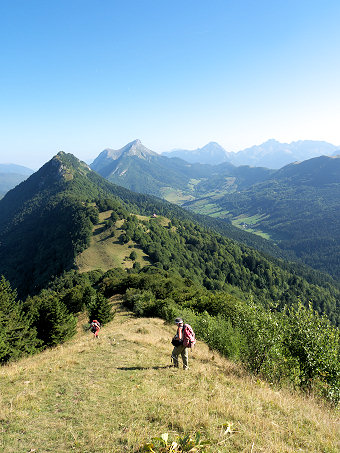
(303, 220)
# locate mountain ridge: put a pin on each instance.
(48, 220)
(274, 154)
(270, 154)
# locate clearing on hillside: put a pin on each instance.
(106, 251)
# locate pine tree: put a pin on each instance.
(100, 309)
(51, 318)
(18, 336)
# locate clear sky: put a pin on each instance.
(83, 75)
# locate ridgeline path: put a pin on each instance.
(115, 393)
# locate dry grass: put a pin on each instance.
(113, 394)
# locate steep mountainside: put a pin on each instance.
(176, 180)
(106, 163)
(142, 170)
(299, 207)
(47, 219)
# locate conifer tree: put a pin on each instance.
(18, 337)
(99, 308)
(51, 318)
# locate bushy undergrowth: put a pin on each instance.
(295, 346)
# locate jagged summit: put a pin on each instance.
(134, 148)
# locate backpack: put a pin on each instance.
(189, 339)
(94, 326)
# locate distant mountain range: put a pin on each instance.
(139, 169)
(212, 154)
(271, 154)
(205, 169)
(17, 169)
(11, 175)
(177, 174)
(297, 206)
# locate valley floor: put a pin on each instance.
(115, 393)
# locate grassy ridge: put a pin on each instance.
(114, 394)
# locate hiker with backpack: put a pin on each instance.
(95, 327)
(182, 341)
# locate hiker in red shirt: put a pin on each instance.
(95, 327)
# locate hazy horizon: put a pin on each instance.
(91, 159)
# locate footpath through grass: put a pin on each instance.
(116, 393)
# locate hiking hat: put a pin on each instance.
(179, 321)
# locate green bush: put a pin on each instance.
(315, 344)
(143, 303)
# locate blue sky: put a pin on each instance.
(82, 75)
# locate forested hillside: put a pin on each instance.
(47, 220)
(298, 208)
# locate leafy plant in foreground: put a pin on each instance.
(182, 444)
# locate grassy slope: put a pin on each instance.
(105, 252)
(113, 394)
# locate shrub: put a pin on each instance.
(143, 303)
(315, 344)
